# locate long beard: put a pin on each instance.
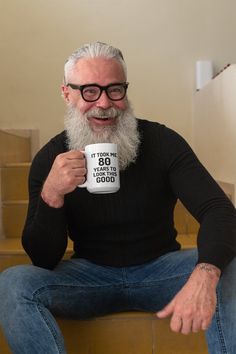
(124, 133)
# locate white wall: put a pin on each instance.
(214, 126)
(161, 41)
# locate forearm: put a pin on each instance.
(51, 197)
(209, 271)
(217, 235)
(44, 236)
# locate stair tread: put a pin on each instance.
(15, 164)
(13, 202)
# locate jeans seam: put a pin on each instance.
(219, 327)
(51, 329)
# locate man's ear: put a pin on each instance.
(65, 93)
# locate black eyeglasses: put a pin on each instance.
(92, 92)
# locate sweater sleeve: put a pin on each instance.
(204, 199)
(44, 235)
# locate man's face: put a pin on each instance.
(98, 71)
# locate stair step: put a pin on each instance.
(14, 148)
(187, 240)
(12, 253)
(125, 332)
(185, 223)
(131, 332)
(14, 181)
(13, 217)
(11, 247)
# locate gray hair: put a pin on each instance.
(93, 50)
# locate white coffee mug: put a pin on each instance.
(102, 168)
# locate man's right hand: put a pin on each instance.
(67, 172)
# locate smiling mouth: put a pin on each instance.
(102, 121)
(103, 118)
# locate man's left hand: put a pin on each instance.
(193, 307)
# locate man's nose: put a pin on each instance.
(104, 101)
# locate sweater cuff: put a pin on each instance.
(218, 255)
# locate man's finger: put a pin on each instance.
(186, 326)
(197, 325)
(176, 323)
(205, 325)
(166, 311)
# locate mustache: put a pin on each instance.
(103, 113)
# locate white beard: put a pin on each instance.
(124, 133)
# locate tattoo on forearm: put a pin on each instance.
(210, 268)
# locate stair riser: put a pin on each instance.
(125, 334)
(14, 182)
(14, 148)
(13, 219)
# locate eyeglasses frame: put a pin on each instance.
(102, 88)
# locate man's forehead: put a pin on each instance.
(98, 68)
(84, 63)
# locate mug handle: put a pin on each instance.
(84, 185)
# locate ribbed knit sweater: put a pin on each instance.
(136, 224)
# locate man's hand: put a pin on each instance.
(194, 305)
(68, 171)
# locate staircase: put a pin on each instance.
(15, 156)
(124, 333)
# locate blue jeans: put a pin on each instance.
(77, 288)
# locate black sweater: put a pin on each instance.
(135, 224)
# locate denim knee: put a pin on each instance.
(14, 283)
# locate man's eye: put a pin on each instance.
(90, 91)
(116, 89)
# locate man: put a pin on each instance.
(126, 256)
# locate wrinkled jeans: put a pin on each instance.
(77, 288)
